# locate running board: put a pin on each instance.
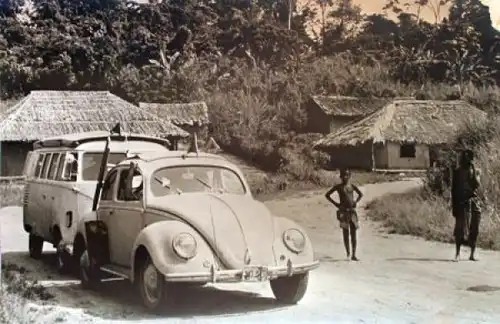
(117, 270)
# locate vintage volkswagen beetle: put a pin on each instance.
(169, 218)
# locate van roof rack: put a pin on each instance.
(74, 140)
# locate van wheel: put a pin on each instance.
(152, 286)
(35, 246)
(89, 272)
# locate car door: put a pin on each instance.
(124, 218)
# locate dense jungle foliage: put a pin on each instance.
(253, 62)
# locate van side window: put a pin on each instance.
(60, 167)
(107, 188)
(39, 165)
(70, 167)
(45, 167)
(53, 165)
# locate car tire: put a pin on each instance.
(290, 290)
(152, 287)
(35, 246)
(64, 261)
(89, 273)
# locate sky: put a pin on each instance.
(494, 7)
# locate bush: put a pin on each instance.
(11, 194)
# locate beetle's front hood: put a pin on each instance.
(239, 228)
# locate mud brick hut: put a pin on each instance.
(327, 114)
(191, 117)
(404, 135)
(44, 114)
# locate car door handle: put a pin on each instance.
(75, 189)
(111, 212)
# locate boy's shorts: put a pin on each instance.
(346, 218)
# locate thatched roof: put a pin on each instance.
(418, 121)
(44, 114)
(342, 106)
(179, 113)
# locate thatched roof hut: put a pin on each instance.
(180, 114)
(50, 113)
(421, 121)
(327, 114)
(400, 124)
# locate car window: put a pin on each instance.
(60, 167)
(70, 170)
(39, 164)
(53, 165)
(91, 164)
(183, 179)
(107, 188)
(130, 187)
(46, 164)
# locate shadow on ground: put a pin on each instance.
(483, 288)
(117, 299)
(421, 259)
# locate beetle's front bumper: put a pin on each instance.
(251, 273)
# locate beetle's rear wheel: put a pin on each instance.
(35, 246)
(290, 290)
(89, 272)
(152, 286)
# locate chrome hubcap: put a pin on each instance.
(151, 284)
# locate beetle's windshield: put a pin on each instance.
(91, 164)
(184, 179)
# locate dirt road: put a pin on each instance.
(398, 280)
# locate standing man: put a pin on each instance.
(464, 199)
(346, 213)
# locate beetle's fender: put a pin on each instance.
(80, 226)
(157, 240)
(281, 225)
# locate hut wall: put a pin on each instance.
(420, 160)
(12, 157)
(337, 122)
(353, 157)
(317, 120)
(381, 156)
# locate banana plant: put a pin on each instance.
(166, 62)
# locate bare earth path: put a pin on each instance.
(398, 280)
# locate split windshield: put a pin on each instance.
(184, 179)
(91, 164)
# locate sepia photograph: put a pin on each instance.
(250, 161)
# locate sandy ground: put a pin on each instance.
(398, 280)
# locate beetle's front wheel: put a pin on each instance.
(152, 286)
(290, 290)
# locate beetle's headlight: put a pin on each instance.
(294, 240)
(185, 246)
